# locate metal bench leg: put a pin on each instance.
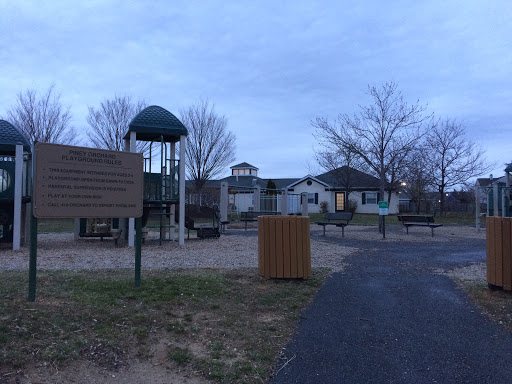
(407, 229)
(246, 225)
(324, 229)
(342, 231)
(432, 228)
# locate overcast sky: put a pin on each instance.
(269, 66)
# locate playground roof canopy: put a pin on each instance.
(10, 136)
(155, 122)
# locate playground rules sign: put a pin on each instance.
(86, 182)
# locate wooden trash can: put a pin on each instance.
(499, 252)
(284, 247)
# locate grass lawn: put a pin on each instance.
(223, 325)
(66, 225)
(373, 219)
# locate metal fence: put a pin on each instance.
(245, 199)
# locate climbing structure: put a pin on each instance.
(14, 186)
(164, 175)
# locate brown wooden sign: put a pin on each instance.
(86, 182)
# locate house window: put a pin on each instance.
(241, 172)
(312, 198)
(370, 198)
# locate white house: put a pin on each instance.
(360, 192)
(342, 189)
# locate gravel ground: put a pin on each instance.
(235, 249)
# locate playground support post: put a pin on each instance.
(224, 198)
(181, 230)
(18, 191)
(131, 220)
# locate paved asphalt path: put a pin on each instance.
(388, 318)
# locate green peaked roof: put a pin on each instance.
(10, 137)
(153, 122)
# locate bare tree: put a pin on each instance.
(43, 118)
(340, 162)
(453, 159)
(415, 177)
(382, 134)
(109, 122)
(210, 146)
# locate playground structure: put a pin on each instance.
(164, 183)
(496, 194)
(164, 180)
(14, 184)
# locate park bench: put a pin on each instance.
(253, 216)
(419, 221)
(203, 231)
(339, 219)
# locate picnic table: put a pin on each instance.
(419, 221)
(203, 231)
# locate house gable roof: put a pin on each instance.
(306, 178)
(358, 179)
(487, 182)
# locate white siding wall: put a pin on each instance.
(374, 208)
(323, 195)
(329, 196)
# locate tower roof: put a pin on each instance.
(10, 136)
(153, 122)
(244, 165)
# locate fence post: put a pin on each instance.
(477, 208)
(257, 196)
(304, 203)
(495, 194)
(284, 201)
(224, 201)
